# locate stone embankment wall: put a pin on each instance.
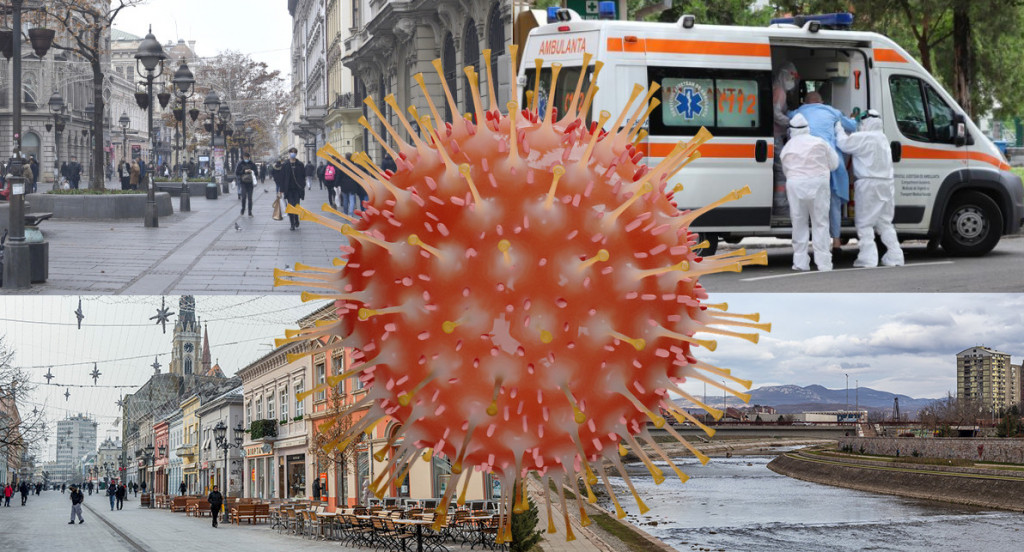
(987, 450)
(912, 481)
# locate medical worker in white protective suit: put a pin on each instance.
(808, 162)
(873, 190)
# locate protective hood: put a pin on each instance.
(872, 121)
(787, 76)
(798, 125)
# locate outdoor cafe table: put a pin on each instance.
(479, 522)
(419, 523)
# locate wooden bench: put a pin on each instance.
(251, 513)
(198, 507)
(180, 503)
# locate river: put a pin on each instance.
(738, 504)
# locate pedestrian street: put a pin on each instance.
(209, 250)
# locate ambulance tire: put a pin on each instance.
(971, 225)
(712, 247)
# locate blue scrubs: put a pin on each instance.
(822, 120)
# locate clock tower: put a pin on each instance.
(186, 352)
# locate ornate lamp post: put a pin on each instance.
(17, 269)
(220, 432)
(57, 108)
(147, 453)
(150, 56)
(124, 121)
(184, 87)
(216, 110)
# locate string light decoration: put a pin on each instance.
(95, 374)
(79, 314)
(523, 295)
(163, 314)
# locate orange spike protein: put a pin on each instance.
(526, 300)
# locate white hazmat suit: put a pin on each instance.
(808, 162)
(873, 190)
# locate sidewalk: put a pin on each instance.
(196, 252)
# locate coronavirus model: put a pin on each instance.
(523, 294)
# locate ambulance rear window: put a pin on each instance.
(729, 103)
(563, 96)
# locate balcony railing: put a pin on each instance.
(346, 101)
(186, 450)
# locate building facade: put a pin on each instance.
(225, 409)
(188, 451)
(174, 441)
(986, 376)
(76, 438)
(108, 458)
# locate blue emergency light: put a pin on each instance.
(553, 14)
(834, 21)
(606, 10)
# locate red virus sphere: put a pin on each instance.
(523, 292)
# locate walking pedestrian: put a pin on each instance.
(63, 486)
(245, 173)
(39, 488)
(23, 489)
(182, 488)
(90, 488)
(112, 494)
(216, 500)
(74, 173)
(143, 487)
(121, 492)
(135, 488)
(76, 505)
(310, 174)
(134, 174)
(8, 491)
(807, 161)
(348, 191)
(35, 171)
(263, 173)
(329, 176)
(294, 179)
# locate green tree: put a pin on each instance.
(524, 527)
(719, 12)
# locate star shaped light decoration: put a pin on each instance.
(156, 365)
(163, 314)
(95, 373)
(79, 314)
(120, 404)
(67, 394)
(49, 376)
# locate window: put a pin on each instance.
(284, 403)
(299, 407)
(921, 114)
(248, 413)
(259, 409)
(563, 95)
(188, 365)
(727, 102)
(270, 406)
(321, 377)
(337, 367)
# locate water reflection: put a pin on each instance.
(739, 504)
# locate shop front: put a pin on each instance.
(259, 470)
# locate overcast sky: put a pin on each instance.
(260, 28)
(902, 343)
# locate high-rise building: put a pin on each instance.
(76, 438)
(986, 376)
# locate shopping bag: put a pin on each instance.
(277, 208)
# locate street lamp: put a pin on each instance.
(150, 460)
(57, 108)
(216, 110)
(17, 268)
(124, 121)
(220, 433)
(149, 56)
(184, 86)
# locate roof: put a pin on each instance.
(117, 34)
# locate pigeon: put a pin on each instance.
(237, 228)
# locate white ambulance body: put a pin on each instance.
(952, 183)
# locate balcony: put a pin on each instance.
(346, 101)
(186, 450)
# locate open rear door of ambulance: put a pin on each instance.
(564, 43)
(721, 81)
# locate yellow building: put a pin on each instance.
(344, 100)
(986, 376)
(189, 449)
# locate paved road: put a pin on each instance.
(43, 525)
(196, 252)
(926, 271)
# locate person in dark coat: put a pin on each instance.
(322, 175)
(74, 175)
(216, 500)
(294, 184)
(121, 493)
(310, 174)
(34, 165)
(182, 488)
(23, 489)
(263, 173)
(112, 494)
(348, 191)
(245, 175)
(76, 505)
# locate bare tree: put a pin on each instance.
(84, 29)
(20, 428)
(328, 436)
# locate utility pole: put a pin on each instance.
(847, 392)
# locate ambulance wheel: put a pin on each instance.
(972, 225)
(712, 247)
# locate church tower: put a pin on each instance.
(186, 352)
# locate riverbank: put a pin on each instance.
(989, 487)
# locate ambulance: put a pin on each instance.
(953, 186)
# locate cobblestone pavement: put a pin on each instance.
(43, 525)
(199, 252)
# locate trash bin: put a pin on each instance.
(1001, 144)
(211, 190)
(39, 261)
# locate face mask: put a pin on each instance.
(246, 159)
(292, 155)
(788, 83)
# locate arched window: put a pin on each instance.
(188, 365)
(450, 74)
(30, 145)
(496, 42)
(470, 58)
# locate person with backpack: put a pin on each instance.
(328, 176)
(245, 174)
(112, 494)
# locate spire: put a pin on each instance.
(206, 349)
(187, 312)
